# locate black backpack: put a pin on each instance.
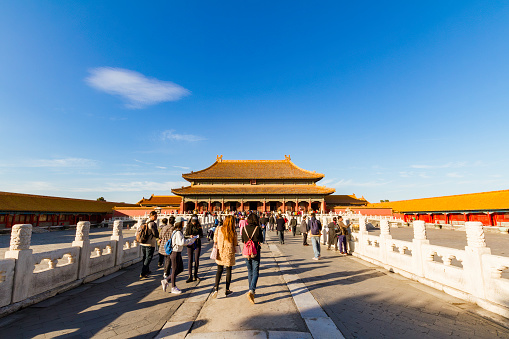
(143, 234)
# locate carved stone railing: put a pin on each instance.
(473, 274)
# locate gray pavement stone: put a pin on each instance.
(367, 302)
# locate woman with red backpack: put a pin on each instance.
(252, 237)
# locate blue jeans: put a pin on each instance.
(315, 241)
(148, 253)
(264, 231)
(342, 243)
(253, 270)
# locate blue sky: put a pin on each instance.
(392, 100)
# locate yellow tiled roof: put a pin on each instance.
(17, 202)
(253, 169)
(494, 200)
(344, 199)
(252, 189)
(161, 200)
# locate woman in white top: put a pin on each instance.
(177, 265)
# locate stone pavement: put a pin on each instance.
(366, 301)
(361, 300)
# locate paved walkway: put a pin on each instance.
(360, 300)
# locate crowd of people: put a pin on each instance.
(170, 238)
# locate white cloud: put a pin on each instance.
(138, 90)
(182, 167)
(456, 164)
(171, 135)
(64, 162)
(161, 167)
(350, 182)
(134, 186)
(454, 175)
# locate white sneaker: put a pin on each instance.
(175, 290)
(314, 258)
(164, 283)
(165, 276)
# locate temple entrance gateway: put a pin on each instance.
(253, 205)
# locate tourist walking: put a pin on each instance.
(160, 259)
(147, 236)
(272, 222)
(264, 221)
(175, 258)
(304, 230)
(315, 228)
(164, 236)
(242, 222)
(194, 229)
(254, 233)
(342, 233)
(333, 234)
(293, 225)
(225, 241)
(280, 228)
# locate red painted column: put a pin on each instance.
(210, 207)
(466, 216)
(242, 206)
(490, 219)
(181, 210)
(264, 210)
(283, 207)
(222, 205)
(7, 221)
(446, 218)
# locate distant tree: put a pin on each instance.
(101, 199)
(384, 200)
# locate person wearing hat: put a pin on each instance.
(175, 258)
(304, 230)
(194, 229)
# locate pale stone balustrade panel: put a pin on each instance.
(6, 280)
(62, 269)
(399, 254)
(496, 278)
(102, 256)
(133, 251)
(443, 272)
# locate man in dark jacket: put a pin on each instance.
(253, 232)
(280, 228)
(149, 245)
(293, 225)
(315, 231)
(333, 234)
(304, 230)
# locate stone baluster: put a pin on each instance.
(119, 238)
(473, 263)
(420, 241)
(21, 235)
(385, 239)
(82, 240)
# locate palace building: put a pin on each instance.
(257, 185)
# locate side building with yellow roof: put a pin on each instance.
(490, 208)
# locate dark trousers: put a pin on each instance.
(160, 260)
(167, 265)
(172, 258)
(305, 238)
(294, 230)
(148, 253)
(193, 255)
(281, 237)
(219, 273)
(253, 271)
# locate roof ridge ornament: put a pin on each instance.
(219, 158)
(287, 157)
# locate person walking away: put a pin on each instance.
(225, 240)
(293, 225)
(264, 221)
(315, 228)
(175, 258)
(253, 232)
(272, 221)
(194, 229)
(304, 230)
(148, 244)
(333, 234)
(343, 232)
(164, 236)
(160, 259)
(242, 223)
(280, 228)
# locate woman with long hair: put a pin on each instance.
(225, 240)
(254, 233)
(194, 229)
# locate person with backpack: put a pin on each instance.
(194, 229)
(225, 241)
(160, 260)
(173, 249)
(164, 236)
(147, 236)
(280, 228)
(304, 231)
(272, 221)
(252, 237)
(315, 228)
